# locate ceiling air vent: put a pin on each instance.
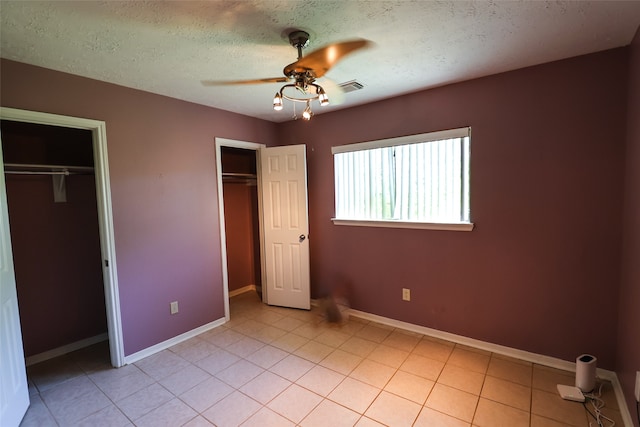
(351, 86)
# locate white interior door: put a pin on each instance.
(14, 391)
(283, 174)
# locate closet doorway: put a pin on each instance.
(240, 217)
(51, 195)
(283, 222)
(59, 205)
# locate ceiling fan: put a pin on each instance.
(301, 75)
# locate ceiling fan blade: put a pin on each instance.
(243, 82)
(321, 60)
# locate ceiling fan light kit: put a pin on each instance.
(308, 95)
(302, 74)
(304, 79)
(307, 113)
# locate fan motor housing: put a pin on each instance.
(299, 39)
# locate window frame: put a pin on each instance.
(406, 140)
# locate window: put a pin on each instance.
(416, 181)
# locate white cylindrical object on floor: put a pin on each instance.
(586, 372)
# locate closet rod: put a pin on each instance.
(65, 172)
(34, 169)
(239, 175)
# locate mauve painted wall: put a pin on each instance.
(163, 188)
(241, 218)
(540, 271)
(56, 253)
(628, 357)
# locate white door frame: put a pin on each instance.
(105, 215)
(224, 142)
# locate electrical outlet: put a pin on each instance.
(174, 307)
(406, 294)
(638, 386)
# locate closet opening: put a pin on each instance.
(241, 219)
(55, 237)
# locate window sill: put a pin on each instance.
(459, 226)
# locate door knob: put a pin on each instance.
(302, 237)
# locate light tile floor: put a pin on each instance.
(271, 366)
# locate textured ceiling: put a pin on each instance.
(170, 47)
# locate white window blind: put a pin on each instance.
(418, 178)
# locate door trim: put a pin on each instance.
(224, 142)
(105, 214)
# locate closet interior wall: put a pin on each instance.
(56, 244)
(240, 189)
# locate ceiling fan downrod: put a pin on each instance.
(299, 39)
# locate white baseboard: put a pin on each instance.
(552, 362)
(539, 359)
(50, 354)
(132, 358)
(244, 289)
